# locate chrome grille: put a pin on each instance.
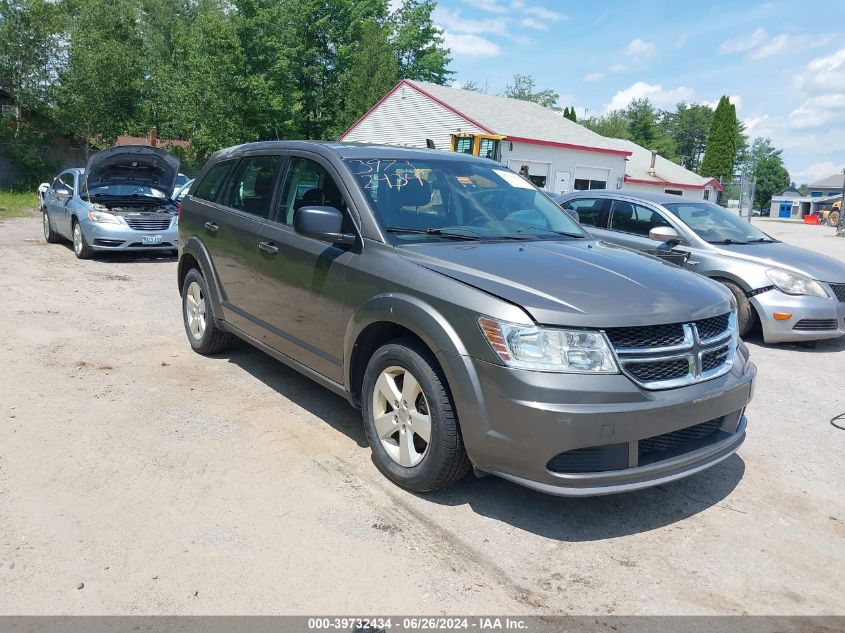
(839, 291)
(148, 222)
(655, 357)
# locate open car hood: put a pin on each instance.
(132, 165)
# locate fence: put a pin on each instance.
(24, 165)
(738, 196)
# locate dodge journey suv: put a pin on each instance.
(473, 321)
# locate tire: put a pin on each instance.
(203, 334)
(833, 218)
(50, 234)
(744, 310)
(422, 466)
(80, 246)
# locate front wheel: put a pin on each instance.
(410, 419)
(50, 235)
(744, 310)
(80, 246)
(833, 218)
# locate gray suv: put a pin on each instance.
(474, 323)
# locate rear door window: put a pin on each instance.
(211, 183)
(252, 184)
(590, 211)
(628, 217)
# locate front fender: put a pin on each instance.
(195, 249)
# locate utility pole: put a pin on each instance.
(840, 225)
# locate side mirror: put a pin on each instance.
(63, 194)
(322, 223)
(665, 235)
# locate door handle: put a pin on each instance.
(211, 226)
(268, 247)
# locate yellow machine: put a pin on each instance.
(484, 145)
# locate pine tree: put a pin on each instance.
(721, 148)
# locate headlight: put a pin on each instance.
(549, 349)
(102, 217)
(794, 283)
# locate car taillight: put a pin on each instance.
(179, 210)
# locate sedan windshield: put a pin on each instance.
(427, 200)
(124, 191)
(716, 225)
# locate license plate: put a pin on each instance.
(150, 239)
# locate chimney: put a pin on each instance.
(154, 138)
(651, 171)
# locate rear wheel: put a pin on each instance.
(744, 310)
(204, 336)
(410, 419)
(80, 246)
(833, 218)
(50, 235)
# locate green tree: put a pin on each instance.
(772, 177)
(721, 148)
(688, 126)
(474, 86)
(612, 125)
(804, 189)
(646, 129)
(101, 84)
(418, 43)
(372, 70)
(569, 113)
(523, 87)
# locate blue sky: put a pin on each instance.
(782, 63)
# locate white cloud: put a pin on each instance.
(545, 14)
(744, 43)
(593, 77)
(681, 40)
(818, 111)
(823, 73)
(492, 6)
(392, 5)
(640, 49)
(816, 171)
(618, 68)
(754, 122)
(654, 92)
(531, 23)
(470, 45)
(454, 22)
(734, 99)
(775, 46)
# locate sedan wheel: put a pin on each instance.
(195, 311)
(401, 416)
(80, 246)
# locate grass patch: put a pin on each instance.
(16, 205)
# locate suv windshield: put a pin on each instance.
(125, 191)
(715, 225)
(422, 200)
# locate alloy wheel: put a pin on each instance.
(77, 239)
(402, 416)
(46, 223)
(195, 315)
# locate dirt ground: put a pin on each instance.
(160, 481)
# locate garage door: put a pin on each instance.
(537, 171)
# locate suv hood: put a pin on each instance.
(132, 165)
(780, 255)
(578, 283)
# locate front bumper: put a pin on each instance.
(520, 421)
(822, 317)
(102, 237)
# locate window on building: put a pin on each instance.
(706, 194)
(674, 192)
(583, 184)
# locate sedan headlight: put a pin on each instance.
(549, 349)
(102, 217)
(794, 283)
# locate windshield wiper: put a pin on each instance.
(762, 239)
(727, 241)
(540, 228)
(432, 231)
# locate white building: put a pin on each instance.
(649, 171)
(560, 155)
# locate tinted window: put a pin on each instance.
(307, 183)
(583, 184)
(210, 185)
(67, 181)
(252, 183)
(633, 218)
(714, 224)
(588, 210)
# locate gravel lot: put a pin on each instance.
(165, 482)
